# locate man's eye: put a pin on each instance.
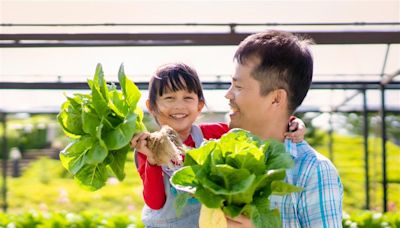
(237, 86)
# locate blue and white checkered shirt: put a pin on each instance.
(320, 202)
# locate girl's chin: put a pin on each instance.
(180, 128)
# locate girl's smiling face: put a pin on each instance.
(176, 97)
(178, 110)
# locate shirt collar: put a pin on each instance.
(291, 148)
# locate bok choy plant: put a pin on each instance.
(237, 174)
(101, 125)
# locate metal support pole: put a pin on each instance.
(383, 131)
(330, 133)
(366, 153)
(4, 161)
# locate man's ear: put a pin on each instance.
(279, 98)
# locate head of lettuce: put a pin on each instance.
(237, 174)
(101, 125)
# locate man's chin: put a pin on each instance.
(232, 125)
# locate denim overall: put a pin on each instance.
(166, 216)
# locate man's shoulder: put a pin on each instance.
(307, 154)
(313, 167)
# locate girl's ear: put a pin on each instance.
(149, 107)
(200, 106)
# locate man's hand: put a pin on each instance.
(239, 222)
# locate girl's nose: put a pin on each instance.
(179, 103)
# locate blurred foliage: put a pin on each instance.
(47, 187)
(33, 219)
(27, 132)
(354, 124)
(348, 158)
(313, 136)
(369, 219)
(67, 219)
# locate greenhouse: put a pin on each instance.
(49, 50)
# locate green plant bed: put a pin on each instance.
(28, 132)
(34, 219)
(348, 157)
(46, 187)
(369, 219)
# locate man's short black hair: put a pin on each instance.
(285, 62)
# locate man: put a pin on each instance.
(272, 76)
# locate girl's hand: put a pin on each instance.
(297, 130)
(239, 222)
(139, 142)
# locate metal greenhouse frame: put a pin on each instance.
(49, 40)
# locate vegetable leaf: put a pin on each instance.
(102, 124)
(92, 177)
(118, 162)
(122, 135)
(70, 117)
(237, 173)
(129, 89)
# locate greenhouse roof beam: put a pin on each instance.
(389, 78)
(181, 39)
(206, 85)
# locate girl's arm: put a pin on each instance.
(151, 175)
(153, 184)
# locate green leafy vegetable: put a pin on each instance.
(237, 173)
(102, 124)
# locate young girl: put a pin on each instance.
(176, 99)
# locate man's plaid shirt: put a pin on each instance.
(320, 202)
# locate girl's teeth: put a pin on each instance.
(179, 115)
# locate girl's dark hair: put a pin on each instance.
(174, 77)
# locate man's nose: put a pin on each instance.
(228, 94)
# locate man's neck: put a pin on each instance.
(274, 129)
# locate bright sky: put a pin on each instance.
(251, 11)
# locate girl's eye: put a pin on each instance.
(189, 98)
(168, 98)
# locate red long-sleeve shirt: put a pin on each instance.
(152, 175)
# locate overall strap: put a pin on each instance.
(136, 158)
(197, 135)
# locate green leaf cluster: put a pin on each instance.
(67, 219)
(102, 124)
(237, 173)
